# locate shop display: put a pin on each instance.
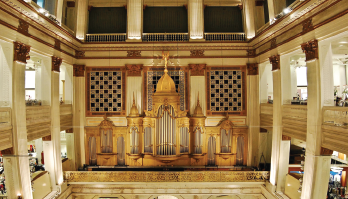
(336, 190)
(2, 178)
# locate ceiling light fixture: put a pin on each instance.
(41, 10)
(287, 10)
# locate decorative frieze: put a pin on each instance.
(251, 52)
(56, 62)
(253, 69)
(134, 69)
(325, 151)
(307, 25)
(190, 176)
(23, 27)
(133, 53)
(47, 138)
(21, 52)
(275, 61)
(57, 44)
(310, 49)
(197, 53)
(79, 54)
(273, 43)
(197, 69)
(79, 70)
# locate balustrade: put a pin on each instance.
(295, 115)
(106, 37)
(224, 36)
(266, 118)
(163, 37)
(5, 128)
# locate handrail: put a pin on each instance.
(106, 37)
(163, 37)
(224, 36)
(335, 115)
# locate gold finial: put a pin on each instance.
(165, 57)
(198, 104)
(134, 110)
(198, 112)
(133, 99)
(105, 117)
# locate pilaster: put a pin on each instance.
(81, 18)
(134, 20)
(196, 20)
(79, 113)
(253, 113)
(249, 18)
(283, 163)
(277, 118)
(70, 148)
(20, 183)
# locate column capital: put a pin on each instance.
(251, 52)
(56, 62)
(79, 54)
(311, 49)
(21, 52)
(47, 138)
(253, 69)
(285, 137)
(134, 69)
(69, 131)
(8, 151)
(275, 61)
(197, 69)
(326, 152)
(79, 70)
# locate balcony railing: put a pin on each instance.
(185, 176)
(5, 128)
(335, 115)
(295, 116)
(224, 36)
(266, 118)
(66, 117)
(105, 37)
(163, 37)
(38, 122)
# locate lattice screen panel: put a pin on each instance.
(105, 91)
(226, 91)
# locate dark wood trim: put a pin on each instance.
(39, 175)
(183, 57)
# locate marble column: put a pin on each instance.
(79, 114)
(59, 10)
(55, 121)
(311, 185)
(134, 20)
(277, 118)
(196, 20)
(275, 7)
(81, 18)
(18, 166)
(254, 114)
(249, 18)
(284, 157)
(49, 159)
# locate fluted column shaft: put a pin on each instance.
(134, 20)
(196, 19)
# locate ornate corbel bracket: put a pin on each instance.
(134, 69)
(197, 69)
(79, 54)
(253, 69)
(56, 62)
(21, 52)
(79, 70)
(311, 50)
(275, 61)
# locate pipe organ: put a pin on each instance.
(166, 135)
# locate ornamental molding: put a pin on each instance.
(192, 176)
(134, 69)
(307, 25)
(118, 47)
(23, 27)
(79, 70)
(273, 42)
(285, 137)
(134, 53)
(251, 52)
(21, 52)
(275, 61)
(79, 54)
(197, 53)
(253, 69)
(56, 62)
(197, 69)
(326, 152)
(57, 44)
(311, 49)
